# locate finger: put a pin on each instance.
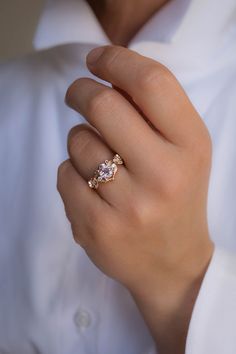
(87, 151)
(120, 125)
(151, 85)
(81, 203)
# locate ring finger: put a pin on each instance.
(86, 150)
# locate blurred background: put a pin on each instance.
(18, 20)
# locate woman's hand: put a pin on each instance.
(147, 228)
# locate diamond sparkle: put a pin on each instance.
(106, 171)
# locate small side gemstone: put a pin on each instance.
(93, 183)
(117, 159)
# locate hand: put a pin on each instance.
(147, 228)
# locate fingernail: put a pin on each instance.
(94, 55)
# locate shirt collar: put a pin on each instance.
(68, 21)
(182, 21)
(73, 21)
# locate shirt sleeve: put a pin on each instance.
(212, 327)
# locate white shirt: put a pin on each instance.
(53, 300)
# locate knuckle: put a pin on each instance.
(140, 212)
(112, 56)
(78, 235)
(78, 140)
(153, 76)
(99, 101)
(70, 93)
(71, 96)
(98, 227)
(61, 172)
(63, 167)
(174, 182)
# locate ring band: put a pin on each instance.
(105, 172)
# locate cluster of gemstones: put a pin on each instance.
(105, 172)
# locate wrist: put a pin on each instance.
(166, 301)
(173, 278)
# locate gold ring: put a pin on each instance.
(105, 172)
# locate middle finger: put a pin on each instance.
(119, 123)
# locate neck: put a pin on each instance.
(121, 19)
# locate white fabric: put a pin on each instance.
(212, 329)
(69, 21)
(53, 300)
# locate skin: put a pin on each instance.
(121, 19)
(148, 228)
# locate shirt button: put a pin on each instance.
(82, 319)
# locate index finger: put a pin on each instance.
(151, 86)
